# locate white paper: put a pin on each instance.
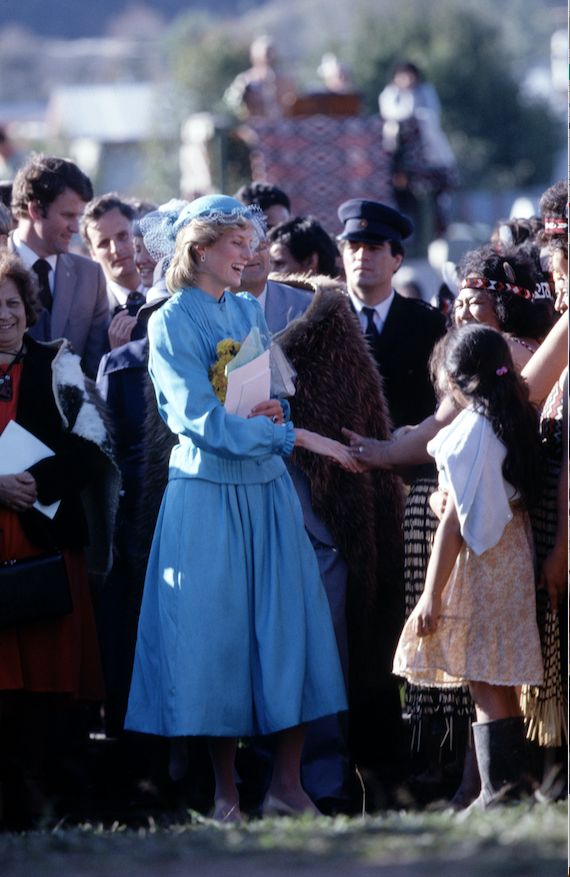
(248, 385)
(20, 449)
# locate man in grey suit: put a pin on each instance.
(107, 229)
(48, 198)
(281, 303)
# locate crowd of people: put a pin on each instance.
(361, 577)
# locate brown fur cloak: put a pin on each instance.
(338, 385)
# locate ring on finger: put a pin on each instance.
(359, 449)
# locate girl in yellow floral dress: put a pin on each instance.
(475, 622)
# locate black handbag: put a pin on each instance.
(34, 589)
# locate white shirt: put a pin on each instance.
(28, 257)
(121, 292)
(262, 298)
(380, 310)
(469, 458)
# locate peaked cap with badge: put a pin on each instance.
(371, 222)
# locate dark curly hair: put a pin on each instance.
(510, 233)
(524, 318)
(554, 202)
(263, 194)
(303, 236)
(12, 268)
(473, 359)
(43, 178)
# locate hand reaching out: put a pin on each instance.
(368, 453)
(327, 447)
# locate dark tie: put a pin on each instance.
(42, 269)
(371, 331)
(135, 300)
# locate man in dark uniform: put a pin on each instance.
(401, 331)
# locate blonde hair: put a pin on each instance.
(182, 271)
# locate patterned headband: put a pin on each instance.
(555, 225)
(495, 286)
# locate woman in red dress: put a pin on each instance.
(46, 666)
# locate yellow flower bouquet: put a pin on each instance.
(226, 350)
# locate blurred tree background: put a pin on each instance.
(500, 138)
(475, 55)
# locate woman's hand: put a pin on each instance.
(326, 447)
(272, 409)
(425, 617)
(368, 453)
(18, 492)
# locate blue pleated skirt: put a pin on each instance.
(235, 635)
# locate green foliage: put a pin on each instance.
(203, 61)
(499, 140)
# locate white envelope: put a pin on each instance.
(248, 385)
(20, 449)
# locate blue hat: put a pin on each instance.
(220, 209)
(160, 228)
(371, 222)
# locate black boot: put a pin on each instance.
(501, 756)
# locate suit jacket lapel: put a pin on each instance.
(65, 278)
(388, 334)
(274, 306)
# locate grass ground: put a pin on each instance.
(519, 840)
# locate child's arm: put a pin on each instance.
(446, 546)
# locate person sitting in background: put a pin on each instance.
(48, 665)
(336, 76)
(263, 90)
(423, 161)
(302, 246)
(272, 200)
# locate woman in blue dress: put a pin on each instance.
(235, 636)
